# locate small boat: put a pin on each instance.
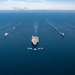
(55, 28)
(34, 49)
(6, 34)
(35, 40)
(14, 27)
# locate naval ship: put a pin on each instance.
(35, 40)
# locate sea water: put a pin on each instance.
(58, 54)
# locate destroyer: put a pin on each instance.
(62, 34)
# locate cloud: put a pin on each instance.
(40, 5)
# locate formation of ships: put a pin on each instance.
(35, 39)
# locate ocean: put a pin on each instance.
(57, 56)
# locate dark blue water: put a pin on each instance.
(58, 54)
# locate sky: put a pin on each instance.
(37, 4)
